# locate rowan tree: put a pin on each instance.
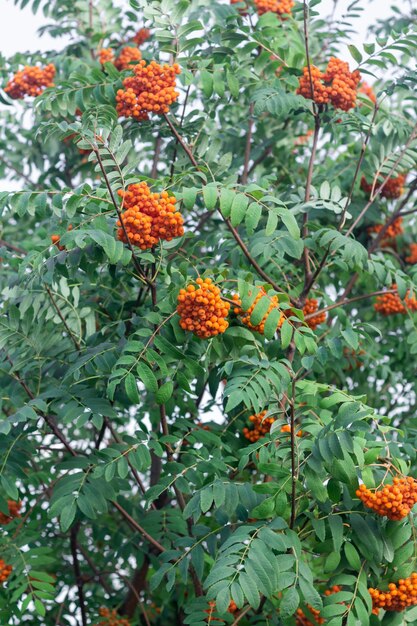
(208, 317)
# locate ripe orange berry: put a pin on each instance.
(280, 7)
(398, 597)
(301, 140)
(126, 56)
(310, 307)
(14, 511)
(141, 36)
(393, 501)
(57, 238)
(302, 620)
(148, 217)
(201, 309)
(412, 258)
(111, 618)
(30, 81)
(212, 607)
(246, 315)
(391, 303)
(337, 85)
(391, 232)
(287, 429)
(5, 571)
(353, 358)
(393, 189)
(106, 55)
(367, 90)
(150, 90)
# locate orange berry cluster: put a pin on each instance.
(412, 258)
(14, 511)
(302, 620)
(392, 231)
(5, 571)
(126, 56)
(367, 90)
(393, 189)
(260, 426)
(141, 36)
(287, 429)
(212, 607)
(301, 140)
(148, 217)
(393, 501)
(57, 238)
(151, 89)
(106, 55)
(391, 303)
(337, 85)
(398, 597)
(201, 309)
(354, 358)
(245, 315)
(30, 81)
(111, 618)
(310, 307)
(280, 7)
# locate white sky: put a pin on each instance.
(18, 28)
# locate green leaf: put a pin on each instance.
(164, 392)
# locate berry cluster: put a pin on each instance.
(212, 607)
(57, 238)
(412, 258)
(201, 309)
(302, 620)
(301, 140)
(30, 81)
(398, 597)
(246, 315)
(142, 35)
(287, 429)
(148, 217)
(5, 571)
(280, 7)
(393, 189)
(260, 426)
(14, 511)
(310, 307)
(393, 501)
(111, 618)
(106, 55)
(151, 89)
(337, 85)
(391, 232)
(353, 358)
(126, 56)
(391, 303)
(367, 91)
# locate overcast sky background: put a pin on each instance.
(18, 28)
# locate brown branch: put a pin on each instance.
(157, 152)
(62, 318)
(19, 173)
(293, 460)
(306, 256)
(343, 301)
(77, 572)
(93, 567)
(181, 142)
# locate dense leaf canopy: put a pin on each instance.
(204, 468)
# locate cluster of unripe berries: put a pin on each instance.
(150, 90)
(280, 7)
(393, 501)
(126, 56)
(14, 511)
(5, 571)
(148, 217)
(111, 618)
(398, 597)
(337, 85)
(393, 188)
(246, 315)
(202, 310)
(260, 426)
(30, 81)
(301, 618)
(311, 306)
(391, 303)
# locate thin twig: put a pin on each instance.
(244, 177)
(157, 152)
(344, 302)
(293, 460)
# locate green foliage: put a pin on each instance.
(206, 481)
